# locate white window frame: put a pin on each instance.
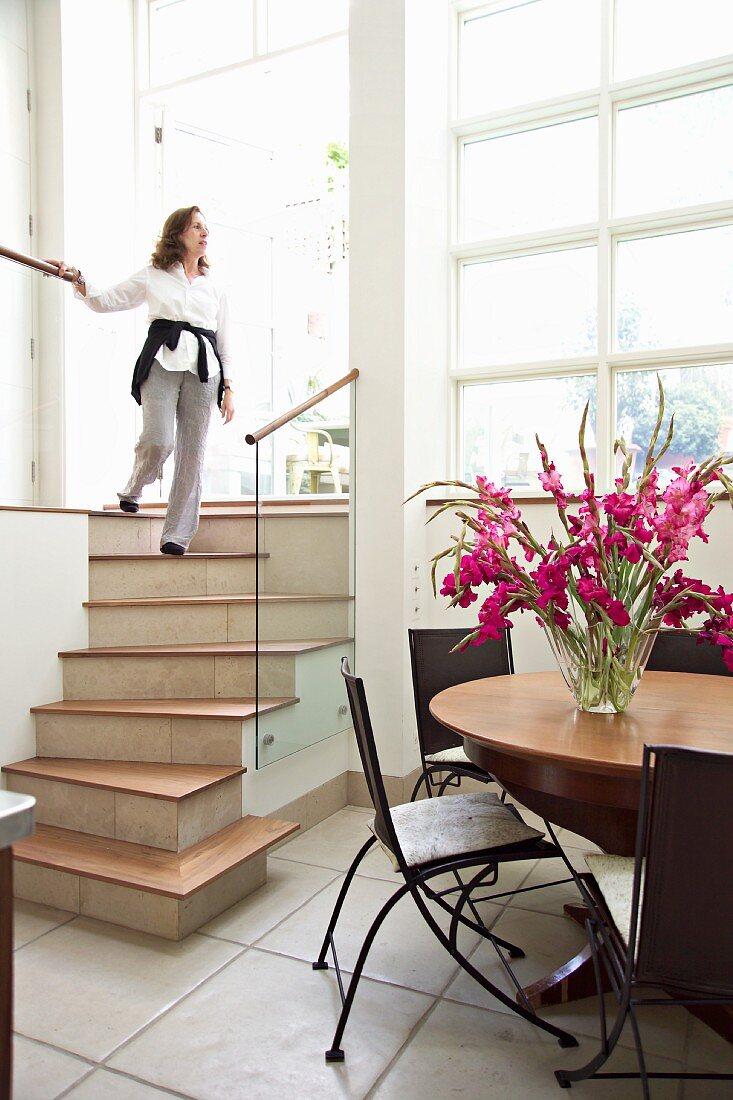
(605, 103)
(260, 51)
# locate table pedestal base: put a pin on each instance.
(576, 979)
(573, 980)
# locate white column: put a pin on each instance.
(398, 337)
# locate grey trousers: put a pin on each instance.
(177, 408)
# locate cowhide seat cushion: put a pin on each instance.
(453, 755)
(615, 878)
(438, 828)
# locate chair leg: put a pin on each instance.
(639, 1053)
(320, 963)
(565, 1077)
(564, 1038)
(476, 925)
(335, 1053)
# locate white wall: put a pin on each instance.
(43, 583)
(289, 779)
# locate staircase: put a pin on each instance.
(138, 777)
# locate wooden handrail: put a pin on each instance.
(37, 265)
(255, 437)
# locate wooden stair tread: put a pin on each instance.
(238, 709)
(316, 508)
(154, 870)
(174, 557)
(246, 597)
(317, 500)
(208, 649)
(170, 782)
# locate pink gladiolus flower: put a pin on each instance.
(608, 564)
(621, 506)
(617, 613)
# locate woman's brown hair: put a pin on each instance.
(169, 250)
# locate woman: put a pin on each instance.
(183, 368)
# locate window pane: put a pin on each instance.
(528, 52)
(500, 419)
(530, 308)
(652, 35)
(675, 153)
(292, 21)
(675, 290)
(533, 180)
(192, 36)
(701, 399)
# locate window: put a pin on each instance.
(245, 113)
(593, 230)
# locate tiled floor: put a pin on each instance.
(237, 1012)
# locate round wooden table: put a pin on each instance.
(581, 771)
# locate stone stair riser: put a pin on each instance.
(140, 819)
(170, 918)
(226, 535)
(163, 740)
(307, 554)
(181, 677)
(121, 534)
(217, 622)
(166, 576)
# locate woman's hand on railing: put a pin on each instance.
(78, 282)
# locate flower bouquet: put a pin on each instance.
(603, 585)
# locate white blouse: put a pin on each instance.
(169, 295)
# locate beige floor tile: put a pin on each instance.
(378, 865)
(289, 885)
(104, 1085)
(333, 843)
(706, 1090)
(405, 951)
(708, 1051)
(259, 1029)
(87, 986)
(40, 1073)
(480, 1055)
(550, 899)
(31, 920)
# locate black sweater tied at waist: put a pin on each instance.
(168, 332)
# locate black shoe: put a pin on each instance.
(129, 506)
(172, 548)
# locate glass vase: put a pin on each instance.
(602, 666)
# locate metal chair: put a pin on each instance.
(471, 834)
(661, 920)
(680, 651)
(434, 668)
